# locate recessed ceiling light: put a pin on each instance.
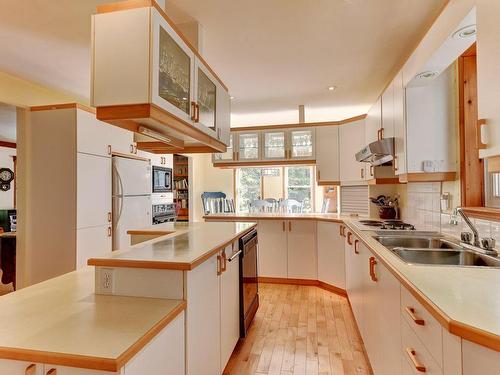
(427, 74)
(465, 32)
(232, 97)
(332, 88)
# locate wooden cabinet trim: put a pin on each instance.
(487, 213)
(428, 177)
(305, 282)
(63, 106)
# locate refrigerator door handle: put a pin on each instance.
(120, 194)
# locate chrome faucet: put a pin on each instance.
(474, 230)
(483, 245)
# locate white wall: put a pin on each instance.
(6, 161)
(204, 177)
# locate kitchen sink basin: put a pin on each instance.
(451, 257)
(416, 242)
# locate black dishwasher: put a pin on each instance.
(249, 286)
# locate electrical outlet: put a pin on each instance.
(107, 280)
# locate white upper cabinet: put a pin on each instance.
(488, 75)
(388, 112)
(431, 125)
(274, 145)
(399, 125)
(248, 146)
(352, 139)
(93, 136)
(229, 155)
(143, 68)
(301, 144)
(373, 122)
(327, 154)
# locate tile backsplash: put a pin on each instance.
(422, 208)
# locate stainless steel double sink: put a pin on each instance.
(434, 250)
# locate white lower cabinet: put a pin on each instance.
(479, 360)
(229, 308)
(331, 254)
(63, 370)
(287, 249)
(273, 251)
(374, 294)
(212, 302)
(302, 258)
(92, 242)
(9, 367)
(165, 354)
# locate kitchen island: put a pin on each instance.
(102, 320)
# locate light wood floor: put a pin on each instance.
(300, 330)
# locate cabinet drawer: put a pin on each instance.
(421, 356)
(20, 368)
(428, 330)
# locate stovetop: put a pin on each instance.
(384, 225)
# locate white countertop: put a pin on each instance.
(189, 245)
(62, 321)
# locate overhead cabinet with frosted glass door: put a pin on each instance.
(146, 74)
(274, 144)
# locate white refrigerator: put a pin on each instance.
(131, 197)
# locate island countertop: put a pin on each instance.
(180, 246)
(62, 322)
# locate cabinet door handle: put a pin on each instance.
(109, 149)
(131, 149)
(197, 116)
(284, 226)
(413, 357)
(224, 262)
(362, 173)
(109, 231)
(395, 164)
(343, 231)
(30, 370)
(340, 229)
(219, 266)
(373, 262)
(371, 170)
(356, 246)
(109, 217)
(318, 177)
(380, 134)
(52, 371)
(135, 149)
(193, 111)
(289, 226)
(349, 238)
(411, 312)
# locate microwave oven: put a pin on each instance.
(162, 179)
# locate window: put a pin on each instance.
(299, 185)
(248, 187)
(275, 182)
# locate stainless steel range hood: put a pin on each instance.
(377, 153)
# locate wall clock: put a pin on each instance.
(6, 177)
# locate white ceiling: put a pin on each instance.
(273, 55)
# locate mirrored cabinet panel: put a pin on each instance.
(274, 145)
